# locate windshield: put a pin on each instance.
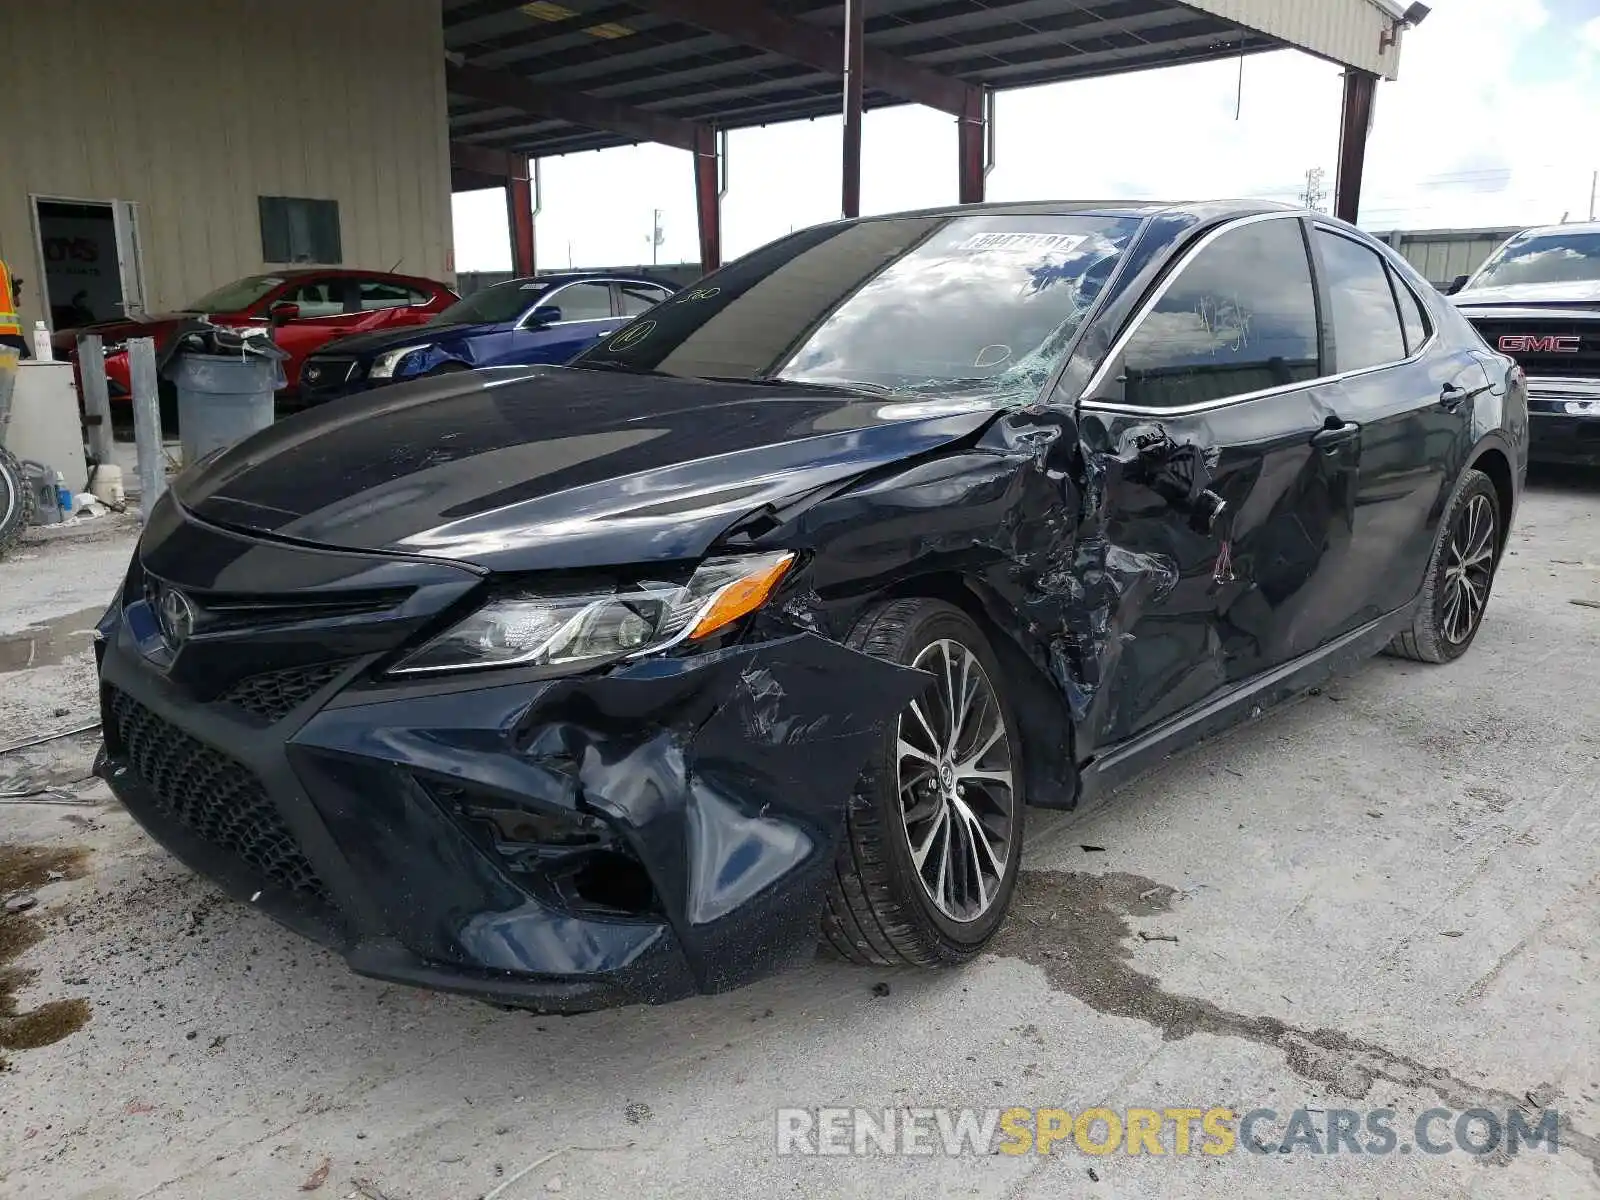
(236, 296)
(981, 305)
(494, 305)
(1545, 258)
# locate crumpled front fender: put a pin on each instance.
(725, 774)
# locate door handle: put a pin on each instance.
(1452, 397)
(1330, 439)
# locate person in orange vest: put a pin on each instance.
(10, 324)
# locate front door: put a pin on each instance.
(329, 308)
(587, 315)
(1226, 477)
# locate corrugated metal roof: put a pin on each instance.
(626, 52)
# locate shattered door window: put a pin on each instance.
(1241, 317)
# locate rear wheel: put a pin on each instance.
(17, 501)
(933, 832)
(1460, 575)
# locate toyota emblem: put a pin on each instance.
(176, 617)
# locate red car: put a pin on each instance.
(314, 307)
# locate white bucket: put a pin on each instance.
(108, 484)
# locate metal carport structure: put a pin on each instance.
(533, 80)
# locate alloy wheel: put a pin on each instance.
(1469, 569)
(954, 763)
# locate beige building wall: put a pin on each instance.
(195, 108)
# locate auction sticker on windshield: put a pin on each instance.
(1063, 243)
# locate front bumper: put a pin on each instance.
(1556, 434)
(640, 835)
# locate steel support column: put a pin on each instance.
(708, 196)
(1355, 121)
(972, 145)
(854, 82)
(519, 210)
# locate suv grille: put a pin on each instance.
(275, 694)
(1524, 340)
(213, 796)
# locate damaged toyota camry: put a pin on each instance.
(765, 619)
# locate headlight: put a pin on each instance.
(546, 629)
(387, 366)
(1583, 408)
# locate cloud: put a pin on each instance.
(1589, 35)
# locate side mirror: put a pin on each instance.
(1456, 284)
(545, 314)
(282, 312)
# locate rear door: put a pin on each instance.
(1413, 398)
(1222, 473)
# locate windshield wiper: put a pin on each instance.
(617, 364)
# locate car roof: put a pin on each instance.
(348, 272)
(1208, 210)
(554, 277)
(1569, 227)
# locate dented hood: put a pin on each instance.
(540, 468)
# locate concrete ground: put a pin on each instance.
(1382, 896)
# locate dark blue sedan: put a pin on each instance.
(545, 319)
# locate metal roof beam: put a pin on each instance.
(482, 160)
(576, 108)
(758, 26)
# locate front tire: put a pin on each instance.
(932, 840)
(1461, 573)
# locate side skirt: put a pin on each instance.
(1125, 761)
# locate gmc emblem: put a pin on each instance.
(1527, 343)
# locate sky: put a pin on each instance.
(1494, 121)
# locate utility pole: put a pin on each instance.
(1314, 194)
(1594, 187)
(657, 236)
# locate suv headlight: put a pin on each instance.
(550, 629)
(387, 366)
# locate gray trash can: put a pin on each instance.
(221, 399)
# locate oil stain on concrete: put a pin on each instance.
(50, 643)
(23, 867)
(1074, 926)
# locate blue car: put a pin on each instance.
(544, 319)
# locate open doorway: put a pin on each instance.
(89, 252)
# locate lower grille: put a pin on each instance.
(213, 796)
(275, 694)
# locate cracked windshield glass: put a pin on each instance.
(949, 306)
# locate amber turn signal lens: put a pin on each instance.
(740, 597)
